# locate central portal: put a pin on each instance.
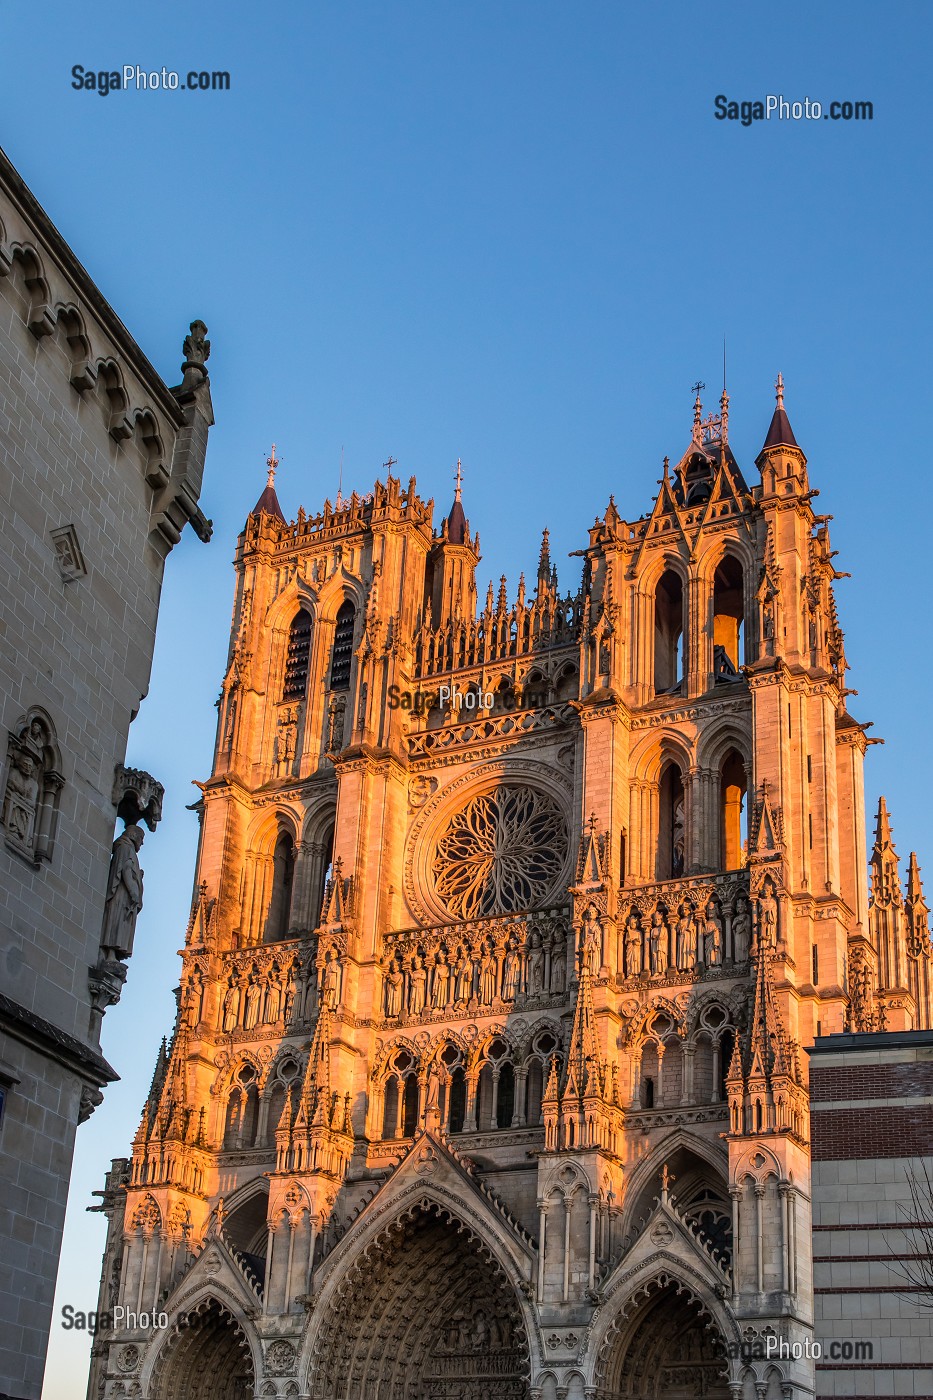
(424, 1314)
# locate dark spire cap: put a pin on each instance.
(780, 433)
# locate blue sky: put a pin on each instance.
(509, 232)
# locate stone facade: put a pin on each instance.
(512, 920)
(102, 467)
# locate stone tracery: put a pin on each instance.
(501, 853)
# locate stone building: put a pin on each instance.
(513, 919)
(102, 467)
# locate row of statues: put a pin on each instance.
(255, 998)
(461, 976)
(693, 938)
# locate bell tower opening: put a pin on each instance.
(668, 632)
(734, 825)
(283, 874)
(671, 859)
(729, 614)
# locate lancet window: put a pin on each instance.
(734, 831)
(297, 657)
(728, 618)
(342, 654)
(283, 875)
(672, 830)
(668, 632)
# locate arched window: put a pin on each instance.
(726, 1049)
(668, 632)
(672, 855)
(457, 1100)
(484, 1099)
(410, 1120)
(321, 870)
(733, 805)
(728, 618)
(390, 1108)
(534, 1094)
(283, 873)
(341, 658)
(297, 657)
(505, 1101)
(568, 684)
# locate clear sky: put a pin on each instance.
(516, 233)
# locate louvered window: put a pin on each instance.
(342, 656)
(298, 656)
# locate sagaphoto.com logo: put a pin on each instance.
(132, 78)
(777, 107)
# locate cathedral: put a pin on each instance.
(523, 928)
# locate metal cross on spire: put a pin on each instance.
(779, 389)
(272, 462)
(459, 481)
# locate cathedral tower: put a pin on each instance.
(509, 928)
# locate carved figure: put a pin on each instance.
(231, 1007)
(767, 916)
(330, 982)
(21, 799)
(741, 932)
(559, 967)
(712, 938)
(440, 989)
(463, 982)
(535, 965)
(393, 990)
(273, 1009)
(417, 987)
(658, 937)
(291, 991)
(510, 973)
(253, 998)
(487, 979)
(685, 943)
(124, 895)
(632, 947)
(591, 940)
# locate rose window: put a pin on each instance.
(501, 853)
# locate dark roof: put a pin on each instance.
(780, 434)
(456, 524)
(269, 502)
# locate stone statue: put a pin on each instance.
(632, 947)
(591, 940)
(330, 982)
(559, 967)
(463, 982)
(273, 999)
(678, 842)
(510, 973)
(741, 932)
(253, 997)
(682, 949)
(440, 989)
(712, 938)
(393, 990)
(658, 944)
(21, 799)
(487, 979)
(291, 991)
(124, 895)
(231, 1007)
(767, 916)
(535, 965)
(417, 987)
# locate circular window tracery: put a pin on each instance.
(501, 853)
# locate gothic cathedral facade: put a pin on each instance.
(513, 922)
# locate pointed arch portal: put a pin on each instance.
(207, 1359)
(426, 1311)
(666, 1348)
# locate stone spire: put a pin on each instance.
(766, 1094)
(269, 501)
(780, 433)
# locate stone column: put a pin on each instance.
(687, 1095)
(543, 1208)
(735, 1193)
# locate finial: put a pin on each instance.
(272, 462)
(779, 389)
(459, 481)
(697, 407)
(389, 463)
